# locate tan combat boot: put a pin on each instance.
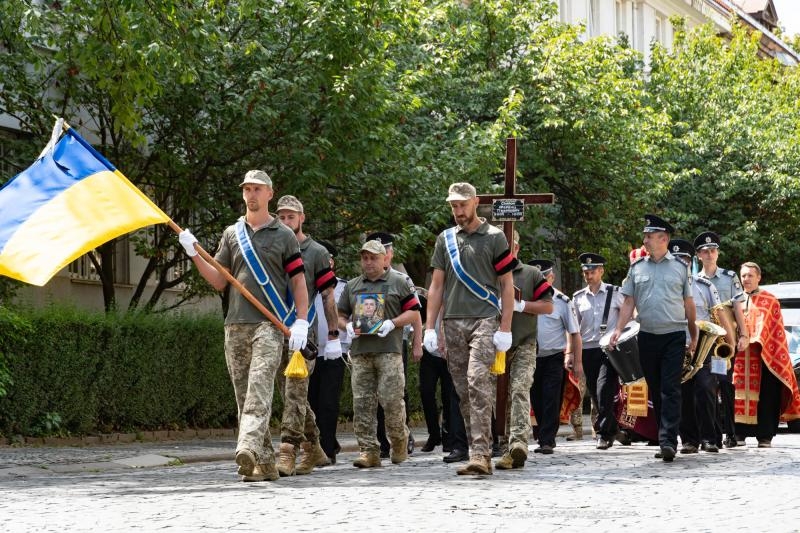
(286, 459)
(312, 456)
(263, 472)
(399, 451)
(505, 462)
(246, 460)
(519, 454)
(368, 460)
(478, 465)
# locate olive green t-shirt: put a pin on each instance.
(319, 274)
(390, 295)
(485, 256)
(279, 252)
(532, 287)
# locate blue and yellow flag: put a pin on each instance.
(68, 202)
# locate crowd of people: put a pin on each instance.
(483, 309)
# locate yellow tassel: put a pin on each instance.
(297, 367)
(499, 365)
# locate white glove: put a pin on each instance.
(502, 340)
(519, 306)
(429, 341)
(299, 335)
(187, 240)
(333, 349)
(350, 331)
(386, 327)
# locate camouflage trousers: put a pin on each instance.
(520, 366)
(378, 377)
(470, 354)
(253, 353)
(298, 422)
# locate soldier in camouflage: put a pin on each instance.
(253, 346)
(377, 366)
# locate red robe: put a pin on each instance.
(768, 343)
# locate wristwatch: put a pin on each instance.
(334, 333)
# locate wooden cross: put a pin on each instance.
(510, 206)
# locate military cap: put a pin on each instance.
(385, 239)
(681, 247)
(707, 239)
(374, 247)
(257, 177)
(653, 223)
(289, 203)
(590, 261)
(545, 265)
(461, 191)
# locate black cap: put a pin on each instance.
(589, 260)
(681, 247)
(328, 246)
(386, 238)
(653, 223)
(545, 265)
(707, 239)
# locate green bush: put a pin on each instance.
(68, 371)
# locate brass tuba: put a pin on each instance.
(708, 335)
(722, 315)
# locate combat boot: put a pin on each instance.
(505, 462)
(286, 459)
(477, 465)
(263, 472)
(246, 460)
(368, 460)
(312, 456)
(399, 451)
(519, 454)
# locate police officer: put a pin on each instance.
(412, 331)
(659, 287)
(729, 289)
(555, 332)
(535, 298)
(698, 394)
(597, 306)
(377, 366)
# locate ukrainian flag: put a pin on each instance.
(68, 202)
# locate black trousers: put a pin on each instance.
(661, 357)
(324, 390)
(381, 417)
(602, 383)
(433, 371)
(699, 408)
(769, 408)
(456, 427)
(546, 394)
(726, 422)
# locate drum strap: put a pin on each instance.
(609, 296)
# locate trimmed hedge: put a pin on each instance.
(79, 372)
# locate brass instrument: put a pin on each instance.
(708, 335)
(722, 315)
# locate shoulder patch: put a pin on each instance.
(730, 273)
(701, 280)
(562, 296)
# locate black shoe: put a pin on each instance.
(603, 444)
(384, 453)
(545, 449)
(623, 438)
(332, 459)
(431, 443)
(410, 444)
(667, 454)
(456, 456)
(688, 448)
(709, 447)
(729, 443)
(765, 443)
(496, 451)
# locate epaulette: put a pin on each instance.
(639, 260)
(563, 296)
(579, 291)
(730, 273)
(613, 287)
(702, 279)
(682, 260)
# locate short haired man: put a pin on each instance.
(597, 308)
(298, 423)
(659, 287)
(472, 264)
(253, 346)
(377, 366)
